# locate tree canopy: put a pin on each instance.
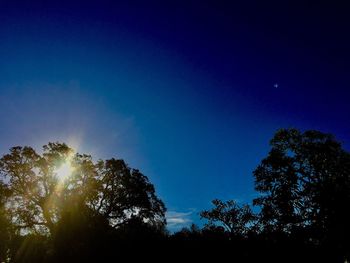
(304, 196)
(236, 219)
(305, 184)
(58, 204)
(39, 192)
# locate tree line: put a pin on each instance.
(301, 211)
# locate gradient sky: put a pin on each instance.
(182, 90)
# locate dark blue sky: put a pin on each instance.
(182, 90)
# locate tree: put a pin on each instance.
(5, 225)
(125, 193)
(33, 184)
(42, 186)
(237, 220)
(305, 185)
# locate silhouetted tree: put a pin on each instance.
(192, 233)
(30, 248)
(109, 188)
(305, 187)
(80, 234)
(34, 186)
(105, 208)
(236, 219)
(83, 207)
(125, 193)
(5, 225)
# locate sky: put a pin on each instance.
(185, 91)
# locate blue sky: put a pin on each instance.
(183, 90)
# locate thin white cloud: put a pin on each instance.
(177, 220)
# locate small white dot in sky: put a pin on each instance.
(276, 85)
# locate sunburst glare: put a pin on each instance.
(65, 170)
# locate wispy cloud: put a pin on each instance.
(177, 220)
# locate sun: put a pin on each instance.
(65, 170)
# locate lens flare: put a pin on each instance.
(65, 169)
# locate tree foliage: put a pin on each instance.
(49, 215)
(5, 225)
(305, 184)
(304, 197)
(39, 198)
(237, 220)
(125, 193)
